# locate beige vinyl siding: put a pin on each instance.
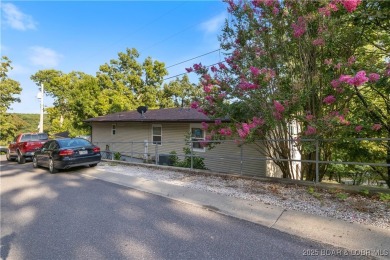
(225, 157)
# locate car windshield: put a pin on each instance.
(34, 137)
(65, 143)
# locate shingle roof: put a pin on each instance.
(157, 115)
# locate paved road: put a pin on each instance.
(68, 216)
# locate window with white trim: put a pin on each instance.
(197, 136)
(113, 129)
(157, 134)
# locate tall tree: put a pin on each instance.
(126, 84)
(9, 89)
(179, 93)
(74, 94)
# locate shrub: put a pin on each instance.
(117, 156)
(342, 196)
(197, 162)
(384, 196)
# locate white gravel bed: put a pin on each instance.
(352, 208)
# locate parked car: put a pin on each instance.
(24, 146)
(66, 153)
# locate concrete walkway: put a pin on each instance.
(358, 239)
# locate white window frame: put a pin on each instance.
(161, 135)
(192, 126)
(113, 129)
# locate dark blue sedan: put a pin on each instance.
(67, 153)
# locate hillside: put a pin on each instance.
(28, 122)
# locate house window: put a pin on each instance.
(113, 130)
(197, 136)
(157, 134)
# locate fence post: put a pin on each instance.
(192, 154)
(113, 151)
(132, 149)
(241, 157)
(156, 154)
(146, 150)
(317, 162)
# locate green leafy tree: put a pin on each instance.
(179, 93)
(123, 84)
(74, 96)
(126, 84)
(9, 88)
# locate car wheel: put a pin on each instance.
(21, 159)
(51, 167)
(93, 165)
(35, 162)
(8, 156)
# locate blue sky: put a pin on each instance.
(82, 35)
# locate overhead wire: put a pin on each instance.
(193, 58)
(189, 72)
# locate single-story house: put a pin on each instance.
(148, 134)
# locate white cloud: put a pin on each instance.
(44, 57)
(214, 24)
(13, 17)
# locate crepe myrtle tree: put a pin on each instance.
(302, 62)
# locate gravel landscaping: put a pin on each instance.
(352, 207)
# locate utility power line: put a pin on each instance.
(192, 58)
(189, 72)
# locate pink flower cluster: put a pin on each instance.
(310, 117)
(310, 130)
(244, 129)
(197, 67)
(244, 85)
(213, 69)
(268, 3)
(342, 120)
(194, 105)
(319, 42)
(373, 77)
(279, 109)
(207, 88)
(205, 126)
(376, 127)
(329, 99)
(299, 27)
(350, 5)
(336, 85)
(358, 128)
(222, 66)
(255, 71)
(358, 80)
(225, 131)
(326, 11)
